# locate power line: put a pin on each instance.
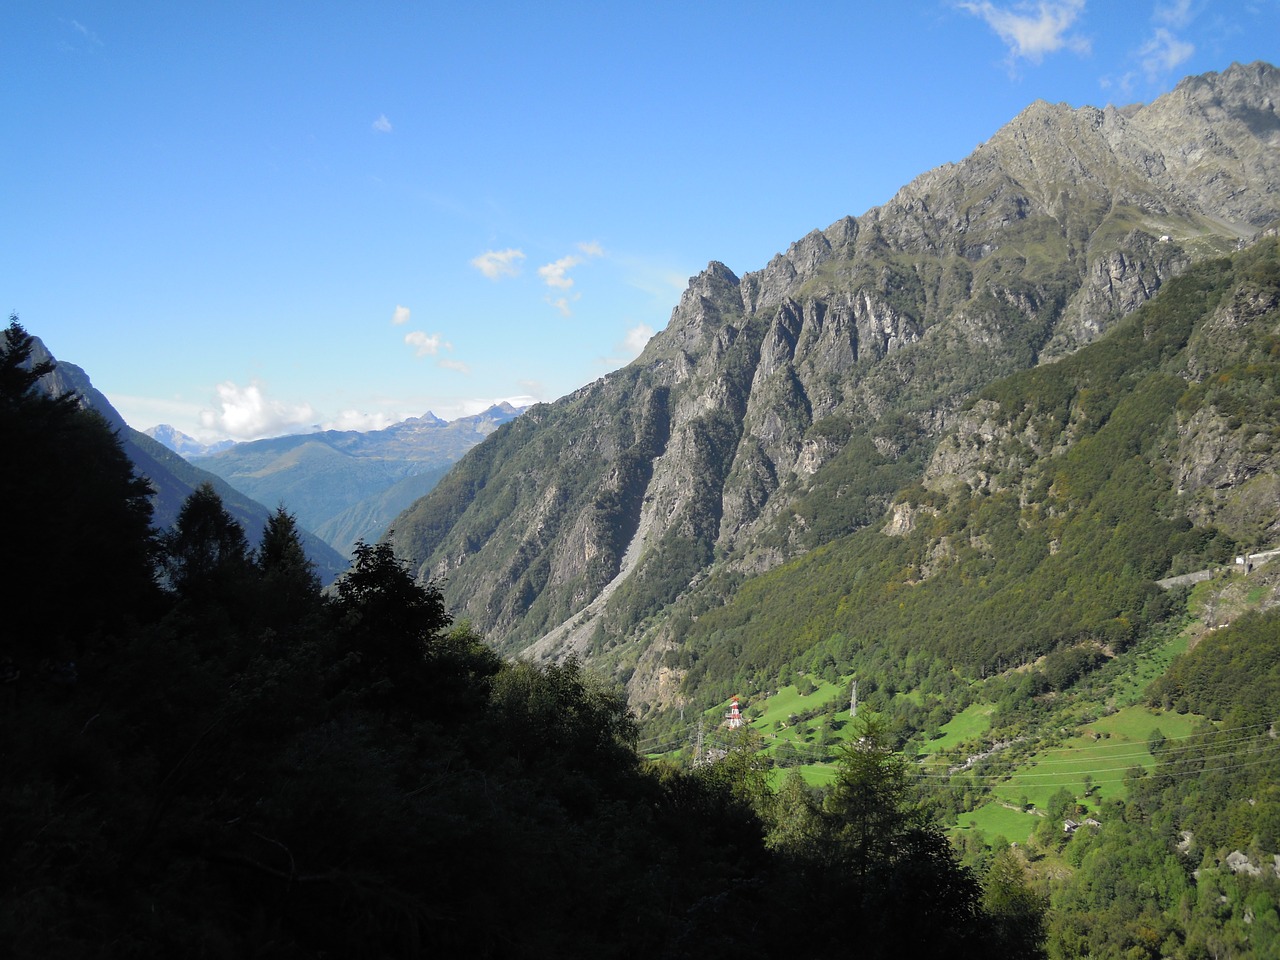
(1082, 753)
(998, 778)
(1201, 735)
(1018, 779)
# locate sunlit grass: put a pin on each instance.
(973, 721)
(993, 820)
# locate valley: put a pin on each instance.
(946, 499)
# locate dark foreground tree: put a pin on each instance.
(387, 625)
(378, 784)
(874, 862)
(206, 553)
(288, 583)
(78, 550)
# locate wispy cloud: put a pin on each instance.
(246, 413)
(1162, 53)
(1177, 14)
(636, 338)
(557, 274)
(361, 420)
(628, 348)
(457, 365)
(426, 345)
(658, 279)
(382, 124)
(1031, 31)
(496, 264)
(85, 32)
(142, 413)
(84, 35)
(400, 315)
(561, 304)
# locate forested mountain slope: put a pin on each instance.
(1043, 519)
(784, 409)
(228, 762)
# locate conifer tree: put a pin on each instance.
(387, 623)
(871, 800)
(78, 546)
(206, 553)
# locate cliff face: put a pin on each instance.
(784, 408)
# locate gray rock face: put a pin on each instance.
(756, 425)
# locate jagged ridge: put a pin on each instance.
(784, 408)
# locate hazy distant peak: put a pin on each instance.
(427, 419)
(184, 445)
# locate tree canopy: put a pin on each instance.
(78, 540)
(247, 765)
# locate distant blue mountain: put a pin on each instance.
(348, 485)
(184, 445)
(172, 478)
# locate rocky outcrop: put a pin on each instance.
(784, 390)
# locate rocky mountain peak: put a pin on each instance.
(710, 297)
(782, 409)
(1220, 134)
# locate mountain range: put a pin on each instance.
(184, 445)
(970, 499)
(172, 478)
(784, 411)
(347, 485)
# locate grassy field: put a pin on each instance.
(972, 722)
(1097, 758)
(1099, 732)
(1147, 664)
(1108, 732)
(815, 774)
(993, 820)
(788, 701)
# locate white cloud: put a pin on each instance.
(382, 124)
(457, 365)
(557, 274)
(561, 304)
(499, 263)
(1030, 31)
(1124, 83)
(637, 337)
(400, 316)
(84, 31)
(245, 413)
(425, 345)
(359, 420)
(1177, 14)
(1162, 53)
(143, 413)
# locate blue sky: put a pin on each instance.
(247, 219)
